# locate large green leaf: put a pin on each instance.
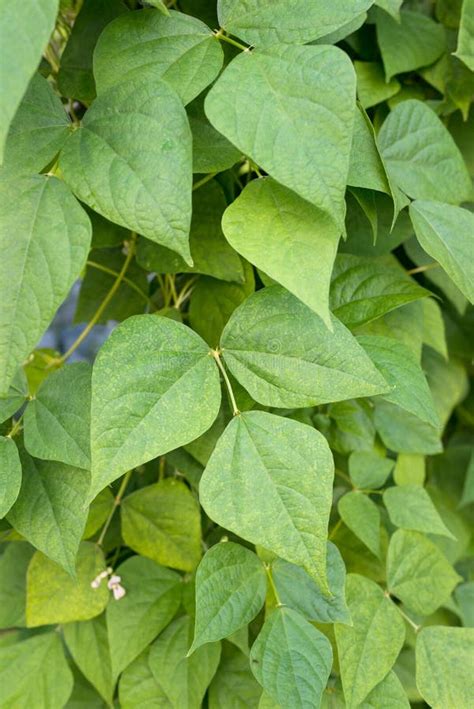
(53, 596)
(444, 666)
(423, 41)
(260, 22)
(285, 356)
(153, 595)
(162, 372)
(183, 680)
(13, 567)
(50, 510)
(38, 131)
(230, 590)
(465, 48)
(267, 103)
(88, 644)
(362, 516)
(291, 240)
(297, 589)
(418, 573)
(410, 507)
(35, 673)
(162, 522)
(104, 163)
(57, 421)
(445, 233)
(368, 649)
(44, 238)
(178, 49)
(269, 480)
(233, 684)
(10, 474)
(363, 290)
(24, 34)
(291, 659)
(421, 155)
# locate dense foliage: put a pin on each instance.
(259, 491)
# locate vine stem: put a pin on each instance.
(268, 571)
(130, 283)
(204, 180)
(216, 355)
(16, 427)
(223, 38)
(415, 627)
(117, 501)
(95, 318)
(422, 269)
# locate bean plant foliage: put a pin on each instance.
(258, 491)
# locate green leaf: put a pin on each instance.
(57, 421)
(13, 566)
(160, 370)
(261, 23)
(24, 34)
(284, 355)
(269, 480)
(448, 382)
(366, 169)
(362, 516)
(390, 6)
(40, 222)
(183, 680)
(410, 507)
(388, 693)
(404, 432)
(363, 290)
(368, 649)
(399, 367)
(369, 469)
(423, 41)
(139, 688)
(418, 573)
(464, 595)
(233, 684)
(35, 673)
(267, 106)
(465, 48)
(230, 590)
(147, 191)
(15, 397)
(75, 77)
(173, 539)
(443, 666)
(50, 511)
(178, 49)
(421, 156)
(433, 327)
(291, 660)
(53, 596)
(153, 595)
(10, 474)
(409, 469)
(298, 590)
(371, 85)
(211, 151)
(445, 233)
(38, 130)
(88, 644)
(210, 252)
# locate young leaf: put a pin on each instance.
(421, 155)
(24, 34)
(57, 421)
(409, 469)
(10, 474)
(404, 432)
(362, 516)
(371, 85)
(13, 566)
(445, 233)
(15, 397)
(418, 573)
(53, 596)
(269, 480)
(104, 163)
(153, 595)
(49, 511)
(465, 48)
(366, 169)
(39, 219)
(291, 240)
(230, 590)
(368, 649)
(35, 673)
(178, 49)
(291, 659)
(172, 539)
(297, 589)
(285, 356)
(410, 507)
(443, 666)
(369, 469)
(183, 680)
(267, 106)
(233, 685)
(160, 370)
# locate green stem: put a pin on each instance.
(16, 428)
(130, 283)
(344, 477)
(422, 269)
(415, 627)
(117, 501)
(223, 38)
(335, 529)
(216, 355)
(268, 570)
(204, 180)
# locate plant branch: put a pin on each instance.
(223, 38)
(204, 180)
(422, 269)
(216, 355)
(129, 283)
